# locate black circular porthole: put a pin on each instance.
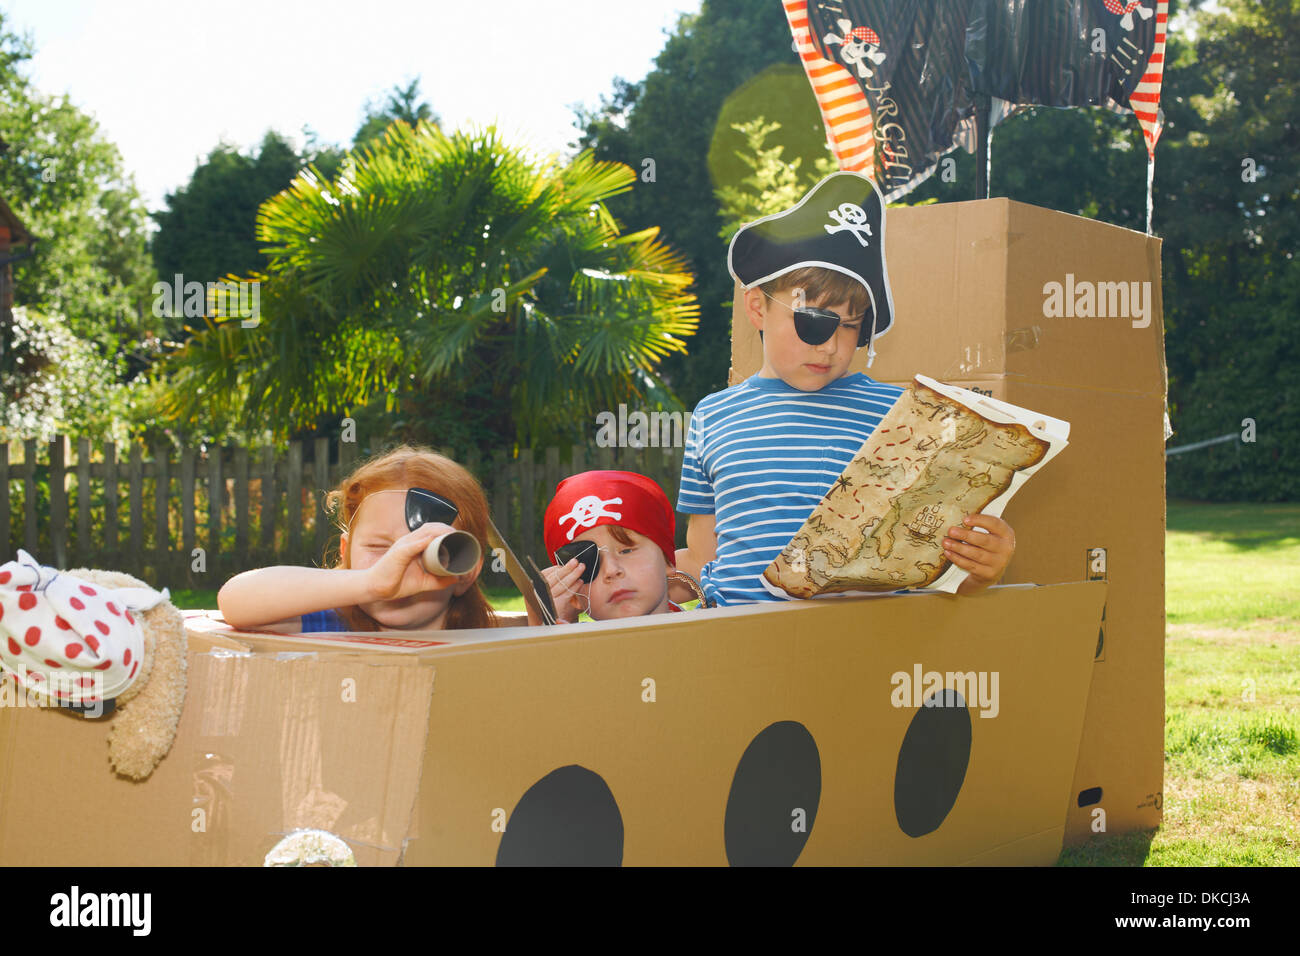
(774, 796)
(932, 763)
(568, 818)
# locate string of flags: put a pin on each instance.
(898, 84)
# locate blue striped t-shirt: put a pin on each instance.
(759, 457)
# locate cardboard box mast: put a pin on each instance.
(765, 734)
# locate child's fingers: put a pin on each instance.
(564, 574)
(559, 593)
(993, 525)
(409, 546)
(563, 582)
(984, 554)
(414, 542)
(975, 543)
(974, 568)
(974, 555)
(964, 563)
(992, 541)
(569, 604)
(573, 573)
(987, 522)
(568, 590)
(972, 536)
(400, 572)
(569, 585)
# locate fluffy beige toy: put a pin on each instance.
(142, 735)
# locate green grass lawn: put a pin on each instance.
(1232, 694)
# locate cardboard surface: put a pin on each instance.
(265, 745)
(721, 678)
(968, 281)
(406, 768)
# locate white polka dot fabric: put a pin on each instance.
(63, 638)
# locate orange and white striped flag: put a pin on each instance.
(850, 130)
(1145, 100)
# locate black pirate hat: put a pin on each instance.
(839, 225)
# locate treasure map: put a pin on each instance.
(940, 454)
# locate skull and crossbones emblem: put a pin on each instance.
(1125, 11)
(587, 511)
(858, 45)
(852, 217)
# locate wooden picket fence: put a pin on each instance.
(195, 519)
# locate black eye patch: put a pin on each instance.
(586, 552)
(423, 507)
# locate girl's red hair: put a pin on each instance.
(408, 466)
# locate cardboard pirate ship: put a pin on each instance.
(907, 729)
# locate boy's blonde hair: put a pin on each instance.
(823, 285)
(405, 467)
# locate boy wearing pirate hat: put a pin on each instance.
(610, 534)
(761, 454)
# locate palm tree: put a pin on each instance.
(454, 277)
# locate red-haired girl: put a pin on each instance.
(378, 582)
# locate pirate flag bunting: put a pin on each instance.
(897, 81)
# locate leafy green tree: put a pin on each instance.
(1228, 205)
(772, 184)
(67, 184)
(61, 384)
(208, 229)
(671, 117)
(487, 297)
(403, 104)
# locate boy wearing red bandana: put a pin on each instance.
(628, 518)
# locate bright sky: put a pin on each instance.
(168, 79)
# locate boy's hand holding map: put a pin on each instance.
(941, 455)
(982, 545)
